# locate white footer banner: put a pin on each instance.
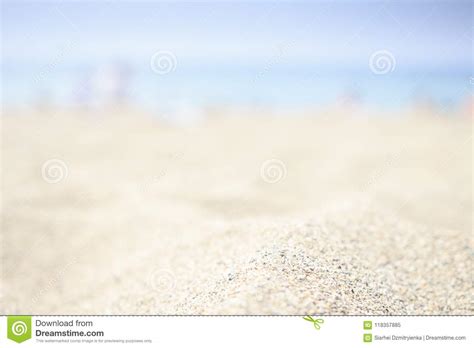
(236, 331)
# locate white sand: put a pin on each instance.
(370, 216)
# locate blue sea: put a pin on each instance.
(206, 85)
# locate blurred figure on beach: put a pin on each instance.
(112, 84)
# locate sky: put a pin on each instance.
(273, 52)
(434, 34)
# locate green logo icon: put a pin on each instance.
(367, 338)
(316, 322)
(19, 328)
(367, 325)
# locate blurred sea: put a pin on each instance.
(275, 86)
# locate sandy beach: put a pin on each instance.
(240, 213)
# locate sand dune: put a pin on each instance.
(296, 214)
